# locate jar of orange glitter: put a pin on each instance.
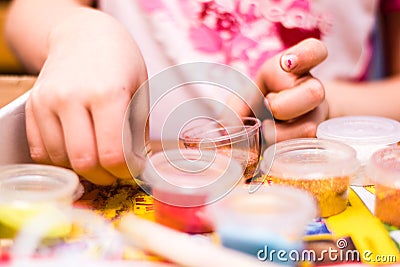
(322, 167)
(383, 169)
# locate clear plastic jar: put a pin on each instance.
(271, 218)
(366, 134)
(240, 139)
(383, 169)
(322, 167)
(183, 182)
(37, 194)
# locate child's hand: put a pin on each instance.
(76, 110)
(295, 97)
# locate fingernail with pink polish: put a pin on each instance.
(288, 62)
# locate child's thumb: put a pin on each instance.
(302, 57)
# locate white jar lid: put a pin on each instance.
(188, 174)
(371, 130)
(36, 183)
(276, 208)
(310, 158)
(384, 167)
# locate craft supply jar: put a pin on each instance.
(184, 182)
(272, 218)
(37, 197)
(322, 167)
(366, 134)
(383, 169)
(239, 138)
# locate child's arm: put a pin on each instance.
(29, 24)
(89, 69)
(379, 97)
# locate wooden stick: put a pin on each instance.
(181, 248)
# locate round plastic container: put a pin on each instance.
(383, 169)
(271, 218)
(240, 139)
(34, 193)
(366, 134)
(322, 167)
(182, 182)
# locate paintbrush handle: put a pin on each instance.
(181, 248)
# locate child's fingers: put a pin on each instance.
(108, 122)
(80, 140)
(284, 70)
(297, 101)
(304, 126)
(302, 57)
(37, 148)
(45, 122)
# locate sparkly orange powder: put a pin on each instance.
(250, 158)
(387, 204)
(330, 193)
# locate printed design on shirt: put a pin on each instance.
(242, 33)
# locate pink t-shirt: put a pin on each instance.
(243, 34)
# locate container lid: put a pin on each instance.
(384, 167)
(190, 173)
(36, 183)
(210, 134)
(310, 158)
(360, 130)
(268, 209)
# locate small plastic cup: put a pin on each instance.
(322, 167)
(273, 218)
(183, 182)
(240, 139)
(366, 134)
(383, 169)
(37, 194)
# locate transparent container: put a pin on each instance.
(240, 139)
(366, 134)
(383, 169)
(322, 167)
(271, 218)
(183, 182)
(34, 196)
